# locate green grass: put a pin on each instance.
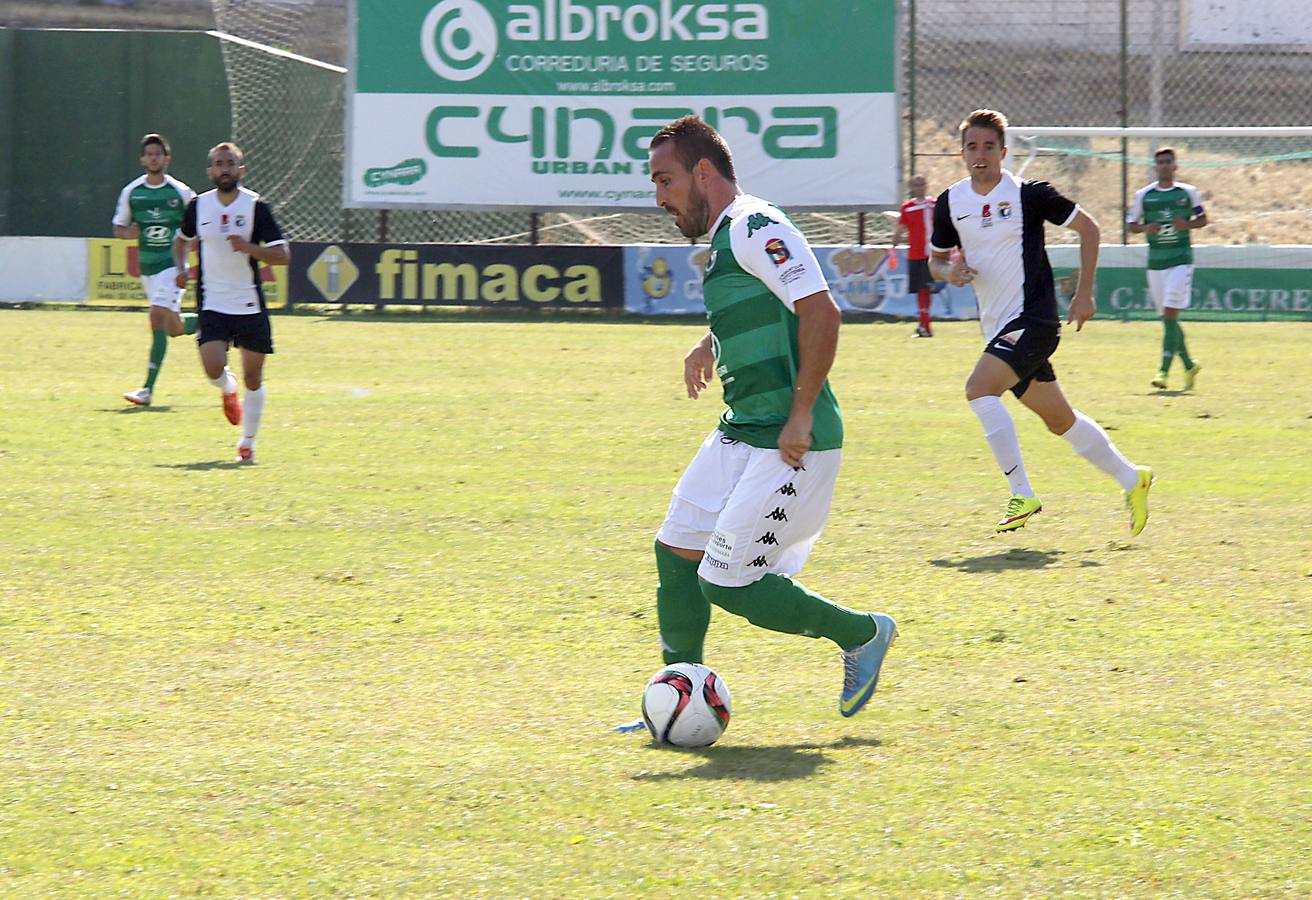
(382, 662)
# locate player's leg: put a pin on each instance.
(1157, 292)
(1088, 439)
(212, 336)
(920, 284)
(990, 378)
(1179, 295)
(256, 342)
(763, 537)
(682, 611)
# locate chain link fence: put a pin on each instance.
(1042, 62)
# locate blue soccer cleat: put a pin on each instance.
(861, 665)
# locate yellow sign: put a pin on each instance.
(114, 277)
(333, 273)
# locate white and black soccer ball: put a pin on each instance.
(687, 705)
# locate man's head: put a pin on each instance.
(984, 143)
(919, 186)
(1164, 163)
(155, 154)
(226, 166)
(688, 159)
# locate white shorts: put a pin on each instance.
(162, 290)
(1171, 288)
(752, 513)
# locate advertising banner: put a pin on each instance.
(114, 277)
(549, 104)
(574, 277)
(666, 279)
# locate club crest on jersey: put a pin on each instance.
(173, 201)
(986, 215)
(240, 221)
(710, 263)
(777, 250)
(1004, 210)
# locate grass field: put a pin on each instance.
(383, 661)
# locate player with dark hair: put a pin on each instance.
(149, 211)
(1167, 210)
(753, 501)
(914, 222)
(236, 232)
(997, 221)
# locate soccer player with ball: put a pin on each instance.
(752, 503)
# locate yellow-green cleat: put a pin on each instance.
(1159, 381)
(1137, 500)
(1190, 374)
(1019, 510)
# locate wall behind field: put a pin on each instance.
(73, 108)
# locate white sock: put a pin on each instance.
(227, 382)
(1090, 441)
(1000, 430)
(254, 408)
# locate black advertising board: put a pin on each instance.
(524, 277)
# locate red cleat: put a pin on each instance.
(232, 408)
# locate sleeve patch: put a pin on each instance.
(777, 251)
(757, 221)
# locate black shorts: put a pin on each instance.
(1026, 346)
(250, 332)
(918, 275)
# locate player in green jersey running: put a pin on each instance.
(149, 211)
(1167, 211)
(752, 503)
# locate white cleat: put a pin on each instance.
(139, 397)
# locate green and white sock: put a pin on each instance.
(159, 346)
(683, 612)
(781, 604)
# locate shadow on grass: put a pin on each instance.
(781, 763)
(999, 562)
(132, 409)
(205, 466)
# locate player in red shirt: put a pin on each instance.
(914, 222)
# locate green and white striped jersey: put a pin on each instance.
(157, 210)
(1154, 203)
(759, 266)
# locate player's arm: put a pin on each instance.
(267, 243)
(124, 228)
(818, 321)
(945, 239)
(699, 366)
(1134, 222)
(1083, 306)
(1199, 215)
(781, 258)
(183, 239)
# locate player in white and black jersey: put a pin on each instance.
(997, 221)
(235, 231)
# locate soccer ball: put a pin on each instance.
(687, 705)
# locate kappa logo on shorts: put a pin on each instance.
(768, 539)
(779, 515)
(759, 562)
(788, 490)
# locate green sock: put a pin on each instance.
(683, 612)
(1179, 345)
(159, 345)
(189, 323)
(1168, 344)
(781, 604)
